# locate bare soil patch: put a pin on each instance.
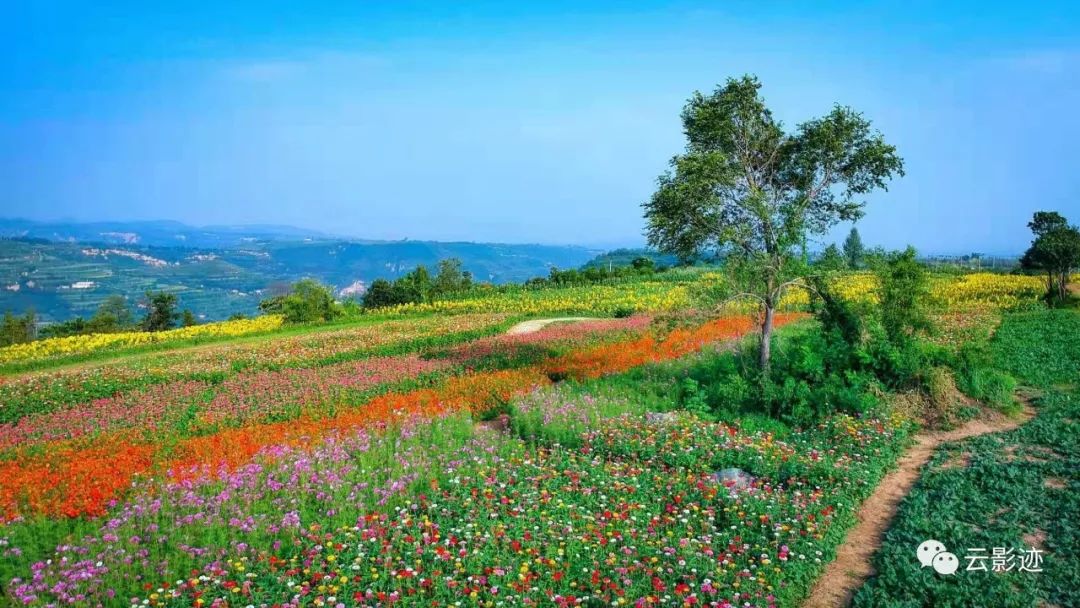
(960, 461)
(1036, 539)
(853, 563)
(1055, 483)
(528, 327)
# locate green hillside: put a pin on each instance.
(59, 280)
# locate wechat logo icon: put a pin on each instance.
(932, 553)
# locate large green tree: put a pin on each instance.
(1055, 251)
(747, 188)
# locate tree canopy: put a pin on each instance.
(160, 311)
(419, 286)
(747, 188)
(1055, 251)
(831, 260)
(854, 250)
(308, 301)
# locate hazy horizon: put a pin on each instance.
(519, 124)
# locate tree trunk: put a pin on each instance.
(766, 338)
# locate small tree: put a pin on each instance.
(160, 311)
(854, 251)
(416, 286)
(1055, 251)
(310, 301)
(187, 318)
(831, 260)
(643, 264)
(904, 292)
(451, 278)
(381, 294)
(746, 188)
(113, 314)
(18, 329)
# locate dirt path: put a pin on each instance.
(527, 327)
(852, 566)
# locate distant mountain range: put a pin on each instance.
(160, 233)
(64, 269)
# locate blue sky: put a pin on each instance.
(518, 122)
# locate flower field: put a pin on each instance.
(438, 461)
(53, 389)
(251, 461)
(967, 292)
(80, 345)
(54, 460)
(423, 507)
(645, 296)
(975, 291)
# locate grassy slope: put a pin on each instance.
(1015, 490)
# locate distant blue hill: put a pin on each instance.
(64, 269)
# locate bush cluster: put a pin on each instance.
(419, 286)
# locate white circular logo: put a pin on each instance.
(945, 563)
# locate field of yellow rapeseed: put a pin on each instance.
(652, 296)
(78, 345)
(977, 291)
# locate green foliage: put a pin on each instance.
(854, 251)
(160, 311)
(18, 329)
(904, 295)
(831, 260)
(693, 398)
(418, 286)
(1001, 496)
(1055, 251)
(1011, 490)
(643, 264)
(308, 302)
(112, 315)
(381, 294)
(451, 278)
(623, 257)
(1040, 348)
(187, 318)
(592, 274)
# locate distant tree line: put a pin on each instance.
(419, 285)
(853, 256)
(639, 266)
(112, 315)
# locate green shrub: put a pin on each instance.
(308, 302)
